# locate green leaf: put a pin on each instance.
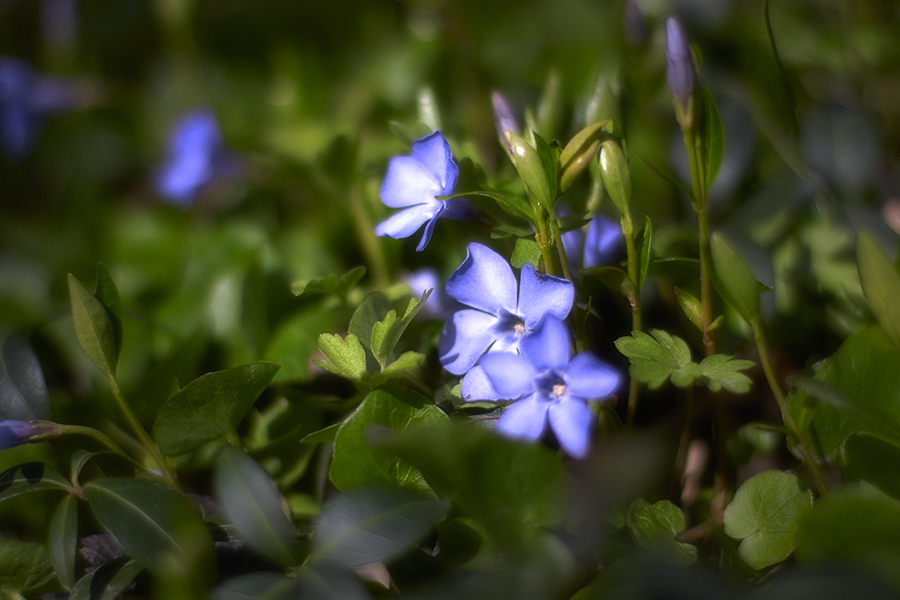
(526, 251)
(871, 459)
(655, 359)
(765, 515)
(108, 295)
(321, 581)
(108, 581)
(24, 566)
(881, 285)
(614, 278)
(646, 243)
(63, 540)
(153, 524)
(373, 309)
(713, 138)
(210, 407)
(387, 333)
(326, 434)
(721, 371)
(94, 328)
(616, 175)
(578, 154)
(346, 357)
(690, 305)
(549, 154)
(513, 204)
(23, 372)
(374, 524)
(735, 280)
(356, 462)
(296, 340)
(655, 527)
(405, 362)
(30, 477)
(253, 504)
(530, 167)
(333, 285)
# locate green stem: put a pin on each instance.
(789, 422)
(370, 242)
(93, 433)
(692, 145)
(635, 301)
(542, 237)
(149, 444)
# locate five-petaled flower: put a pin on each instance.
(551, 389)
(503, 311)
(412, 183)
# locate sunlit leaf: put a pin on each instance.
(657, 357)
(346, 356)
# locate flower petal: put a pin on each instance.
(406, 222)
(601, 241)
(484, 281)
(466, 336)
(572, 421)
(408, 182)
(511, 374)
(434, 154)
(547, 346)
(590, 378)
(524, 420)
(476, 386)
(429, 228)
(543, 294)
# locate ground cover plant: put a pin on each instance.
(449, 300)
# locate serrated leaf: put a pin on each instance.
(658, 358)
(373, 524)
(735, 280)
(24, 566)
(355, 462)
(210, 407)
(347, 356)
(152, 523)
(94, 328)
(253, 504)
(655, 526)
(405, 362)
(713, 138)
(881, 285)
(108, 581)
(525, 251)
(722, 371)
(30, 477)
(387, 333)
(765, 515)
(23, 371)
(63, 540)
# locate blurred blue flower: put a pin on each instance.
(15, 433)
(412, 182)
(595, 247)
(196, 157)
(680, 73)
(26, 99)
(503, 311)
(550, 388)
(439, 305)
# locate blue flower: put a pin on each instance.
(551, 389)
(412, 183)
(680, 73)
(503, 311)
(26, 98)
(439, 305)
(196, 156)
(595, 247)
(15, 433)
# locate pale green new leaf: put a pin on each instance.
(347, 356)
(656, 358)
(722, 371)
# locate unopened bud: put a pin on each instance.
(616, 175)
(504, 119)
(680, 73)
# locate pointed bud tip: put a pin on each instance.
(680, 73)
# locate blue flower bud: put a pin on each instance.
(680, 73)
(15, 433)
(504, 119)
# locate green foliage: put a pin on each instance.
(346, 357)
(95, 327)
(24, 566)
(655, 527)
(525, 251)
(765, 514)
(30, 477)
(106, 582)
(868, 458)
(616, 175)
(735, 281)
(881, 284)
(63, 540)
(713, 138)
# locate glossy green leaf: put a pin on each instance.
(108, 581)
(356, 462)
(868, 458)
(326, 434)
(63, 540)
(24, 566)
(765, 514)
(655, 527)
(30, 477)
(723, 371)
(346, 356)
(374, 524)
(108, 295)
(253, 504)
(94, 328)
(210, 407)
(526, 251)
(657, 357)
(153, 524)
(23, 372)
(713, 138)
(616, 175)
(735, 280)
(881, 284)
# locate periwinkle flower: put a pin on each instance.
(412, 183)
(594, 247)
(680, 73)
(196, 156)
(439, 305)
(551, 389)
(504, 118)
(15, 433)
(502, 311)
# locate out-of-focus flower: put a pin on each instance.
(635, 25)
(15, 433)
(26, 99)
(412, 183)
(196, 157)
(439, 305)
(551, 389)
(503, 311)
(680, 73)
(595, 247)
(504, 119)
